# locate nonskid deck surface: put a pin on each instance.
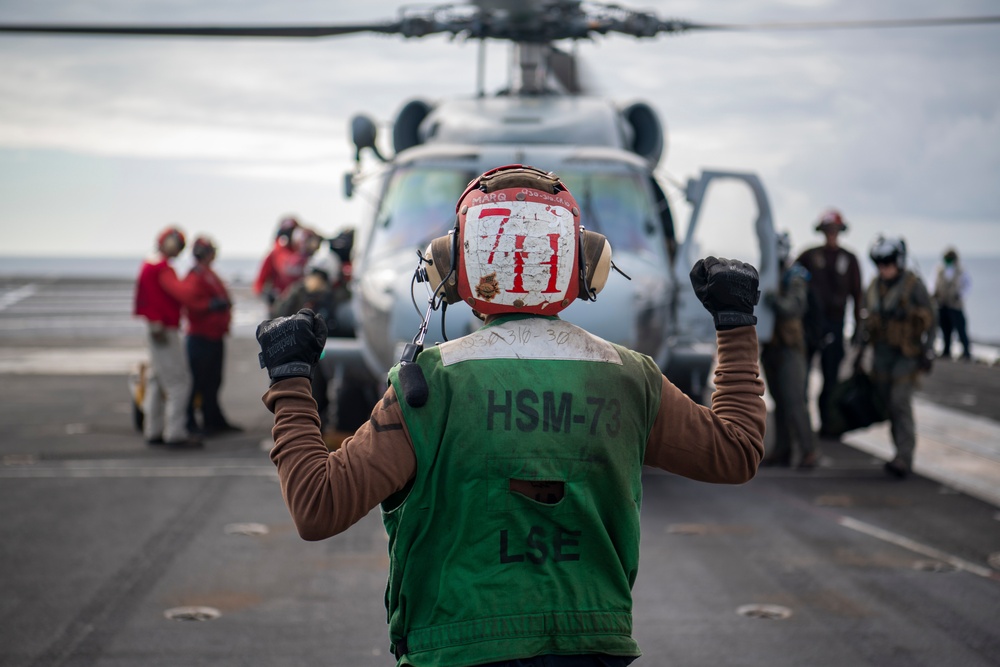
(105, 537)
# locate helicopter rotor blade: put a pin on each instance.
(683, 26)
(202, 31)
(542, 21)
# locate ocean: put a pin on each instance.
(234, 270)
(981, 312)
(981, 308)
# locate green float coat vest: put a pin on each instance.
(480, 572)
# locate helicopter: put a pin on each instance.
(607, 153)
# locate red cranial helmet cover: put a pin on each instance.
(519, 230)
(203, 247)
(831, 219)
(169, 239)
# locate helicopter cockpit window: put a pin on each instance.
(618, 205)
(418, 206)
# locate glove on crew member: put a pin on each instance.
(511, 497)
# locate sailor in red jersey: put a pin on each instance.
(159, 295)
(209, 313)
(271, 279)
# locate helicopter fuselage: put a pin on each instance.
(606, 158)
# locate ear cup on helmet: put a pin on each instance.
(440, 253)
(595, 257)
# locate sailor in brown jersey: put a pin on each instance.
(539, 448)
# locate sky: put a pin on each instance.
(104, 141)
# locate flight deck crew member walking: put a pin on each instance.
(899, 323)
(835, 277)
(784, 364)
(209, 313)
(159, 295)
(508, 462)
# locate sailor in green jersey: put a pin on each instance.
(508, 462)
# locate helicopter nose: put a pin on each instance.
(632, 312)
(393, 306)
(612, 320)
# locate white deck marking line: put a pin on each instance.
(20, 294)
(917, 547)
(43, 471)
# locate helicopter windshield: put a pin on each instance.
(419, 205)
(618, 205)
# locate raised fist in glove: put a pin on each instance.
(289, 346)
(728, 290)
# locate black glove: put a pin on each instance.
(289, 346)
(219, 303)
(728, 290)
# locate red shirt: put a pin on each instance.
(206, 289)
(280, 268)
(291, 268)
(159, 293)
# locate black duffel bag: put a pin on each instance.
(854, 403)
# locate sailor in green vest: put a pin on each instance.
(508, 462)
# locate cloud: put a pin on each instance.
(896, 127)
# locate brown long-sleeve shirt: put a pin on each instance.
(326, 492)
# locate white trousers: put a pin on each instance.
(168, 385)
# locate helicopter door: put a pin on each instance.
(666, 220)
(691, 320)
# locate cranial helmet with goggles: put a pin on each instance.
(518, 246)
(889, 250)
